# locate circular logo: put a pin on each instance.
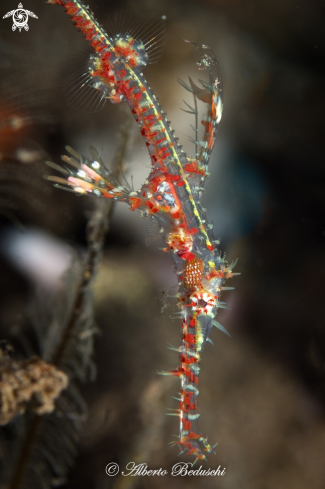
(20, 18)
(112, 469)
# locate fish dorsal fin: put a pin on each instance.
(210, 93)
(78, 87)
(154, 231)
(150, 29)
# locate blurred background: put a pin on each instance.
(262, 392)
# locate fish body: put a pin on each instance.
(170, 197)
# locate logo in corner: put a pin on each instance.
(20, 18)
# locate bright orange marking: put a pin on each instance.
(135, 203)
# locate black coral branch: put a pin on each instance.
(64, 328)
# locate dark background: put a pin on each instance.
(262, 392)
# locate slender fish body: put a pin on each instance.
(170, 196)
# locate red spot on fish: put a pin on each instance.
(186, 424)
(192, 168)
(153, 209)
(172, 178)
(192, 231)
(188, 256)
(189, 338)
(135, 203)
